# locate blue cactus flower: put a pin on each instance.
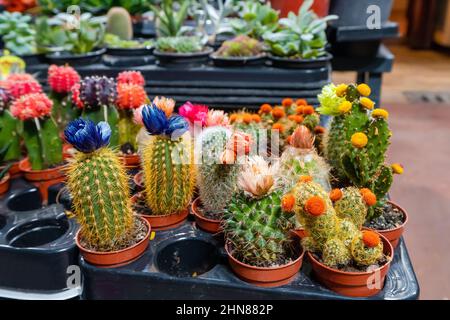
(157, 123)
(86, 136)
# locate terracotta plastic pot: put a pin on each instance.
(208, 225)
(42, 179)
(265, 277)
(320, 7)
(394, 235)
(68, 151)
(165, 222)
(115, 258)
(4, 184)
(14, 170)
(301, 233)
(353, 284)
(131, 161)
(138, 180)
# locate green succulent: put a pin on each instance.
(18, 33)
(179, 44)
(241, 46)
(171, 16)
(114, 41)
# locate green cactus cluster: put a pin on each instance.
(99, 187)
(258, 229)
(351, 206)
(217, 181)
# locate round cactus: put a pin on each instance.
(61, 79)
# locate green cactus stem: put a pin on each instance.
(10, 128)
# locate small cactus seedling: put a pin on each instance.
(119, 23)
(254, 223)
(99, 187)
(168, 162)
(9, 129)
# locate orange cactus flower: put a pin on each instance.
(301, 102)
(336, 194)
(278, 112)
(369, 197)
(315, 206)
(298, 119)
(287, 203)
(367, 103)
(364, 190)
(307, 110)
(256, 118)
(247, 118)
(265, 109)
(345, 107)
(291, 117)
(287, 102)
(371, 239)
(397, 168)
(359, 140)
(278, 126)
(380, 113)
(289, 139)
(299, 110)
(341, 90)
(305, 179)
(364, 90)
(319, 130)
(234, 117)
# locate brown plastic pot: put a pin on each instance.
(353, 284)
(138, 180)
(131, 161)
(265, 277)
(208, 225)
(393, 235)
(4, 184)
(165, 222)
(115, 258)
(42, 179)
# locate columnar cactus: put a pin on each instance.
(254, 223)
(168, 164)
(216, 175)
(119, 23)
(97, 97)
(40, 133)
(9, 129)
(99, 187)
(301, 159)
(61, 79)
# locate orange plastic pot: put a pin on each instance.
(68, 151)
(320, 7)
(208, 225)
(394, 235)
(353, 284)
(42, 179)
(138, 180)
(265, 277)
(14, 170)
(115, 258)
(165, 222)
(301, 233)
(131, 161)
(4, 184)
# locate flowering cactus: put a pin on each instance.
(131, 77)
(40, 133)
(97, 97)
(196, 114)
(61, 79)
(19, 86)
(9, 129)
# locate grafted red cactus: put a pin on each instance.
(97, 91)
(34, 105)
(130, 96)
(61, 79)
(24, 86)
(131, 77)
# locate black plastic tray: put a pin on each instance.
(172, 268)
(37, 247)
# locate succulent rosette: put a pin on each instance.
(86, 136)
(61, 79)
(131, 77)
(157, 123)
(30, 106)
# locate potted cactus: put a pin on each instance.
(344, 258)
(169, 172)
(44, 165)
(301, 41)
(9, 136)
(4, 175)
(356, 149)
(240, 51)
(110, 234)
(130, 96)
(217, 174)
(61, 80)
(259, 244)
(96, 96)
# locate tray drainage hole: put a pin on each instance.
(2, 222)
(187, 258)
(25, 201)
(37, 233)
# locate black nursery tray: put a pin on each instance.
(37, 248)
(187, 263)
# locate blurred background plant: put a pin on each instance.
(18, 33)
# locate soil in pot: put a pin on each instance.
(352, 267)
(206, 220)
(157, 222)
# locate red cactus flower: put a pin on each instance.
(19, 77)
(130, 96)
(34, 105)
(76, 96)
(194, 113)
(20, 87)
(131, 77)
(61, 79)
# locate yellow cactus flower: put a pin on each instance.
(397, 168)
(367, 103)
(359, 140)
(341, 90)
(345, 107)
(380, 113)
(364, 89)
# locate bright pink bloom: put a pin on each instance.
(19, 88)
(34, 105)
(137, 115)
(61, 79)
(131, 77)
(194, 113)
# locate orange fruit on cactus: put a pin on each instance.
(315, 206)
(305, 179)
(287, 203)
(335, 195)
(371, 239)
(265, 108)
(287, 102)
(301, 102)
(278, 112)
(307, 110)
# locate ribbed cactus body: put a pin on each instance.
(128, 129)
(258, 229)
(9, 135)
(217, 182)
(169, 174)
(101, 203)
(351, 206)
(63, 110)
